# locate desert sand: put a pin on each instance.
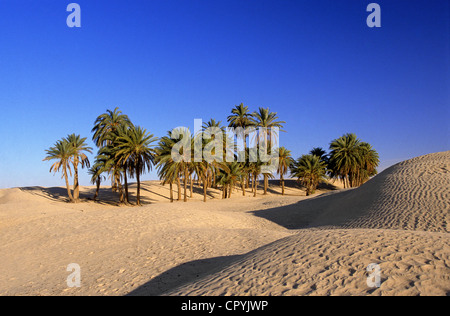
(268, 245)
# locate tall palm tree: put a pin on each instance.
(63, 153)
(266, 119)
(136, 147)
(79, 157)
(241, 118)
(106, 129)
(108, 123)
(284, 162)
(310, 171)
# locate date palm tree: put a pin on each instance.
(369, 160)
(107, 124)
(284, 163)
(352, 160)
(96, 172)
(241, 118)
(106, 129)
(345, 158)
(135, 147)
(266, 119)
(167, 168)
(63, 153)
(310, 171)
(79, 157)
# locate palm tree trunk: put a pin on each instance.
(229, 190)
(171, 192)
(76, 186)
(179, 187)
(138, 193)
(192, 184)
(98, 189)
(255, 185)
(127, 200)
(243, 188)
(266, 181)
(205, 188)
(282, 184)
(185, 183)
(69, 193)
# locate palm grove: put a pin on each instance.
(127, 151)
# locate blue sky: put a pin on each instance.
(165, 63)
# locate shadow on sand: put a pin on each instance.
(183, 274)
(105, 197)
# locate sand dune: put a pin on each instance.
(324, 262)
(268, 245)
(412, 195)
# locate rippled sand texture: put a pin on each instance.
(398, 220)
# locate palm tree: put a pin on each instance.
(107, 124)
(63, 153)
(284, 162)
(135, 147)
(106, 129)
(241, 118)
(106, 157)
(229, 177)
(352, 160)
(79, 157)
(255, 169)
(369, 159)
(266, 119)
(96, 176)
(310, 171)
(167, 170)
(319, 152)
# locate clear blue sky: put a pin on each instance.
(165, 63)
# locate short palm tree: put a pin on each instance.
(310, 171)
(96, 177)
(63, 153)
(352, 160)
(284, 163)
(167, 168)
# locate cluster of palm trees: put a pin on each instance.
(127, 151)
(349, 160)
(218, 173)
(69, 152)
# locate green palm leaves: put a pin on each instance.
(125, 151)
(352, 161)
(69, 151)
(128, 151)
(134, 150)
(310, 171)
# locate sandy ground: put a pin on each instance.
(268, 245)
